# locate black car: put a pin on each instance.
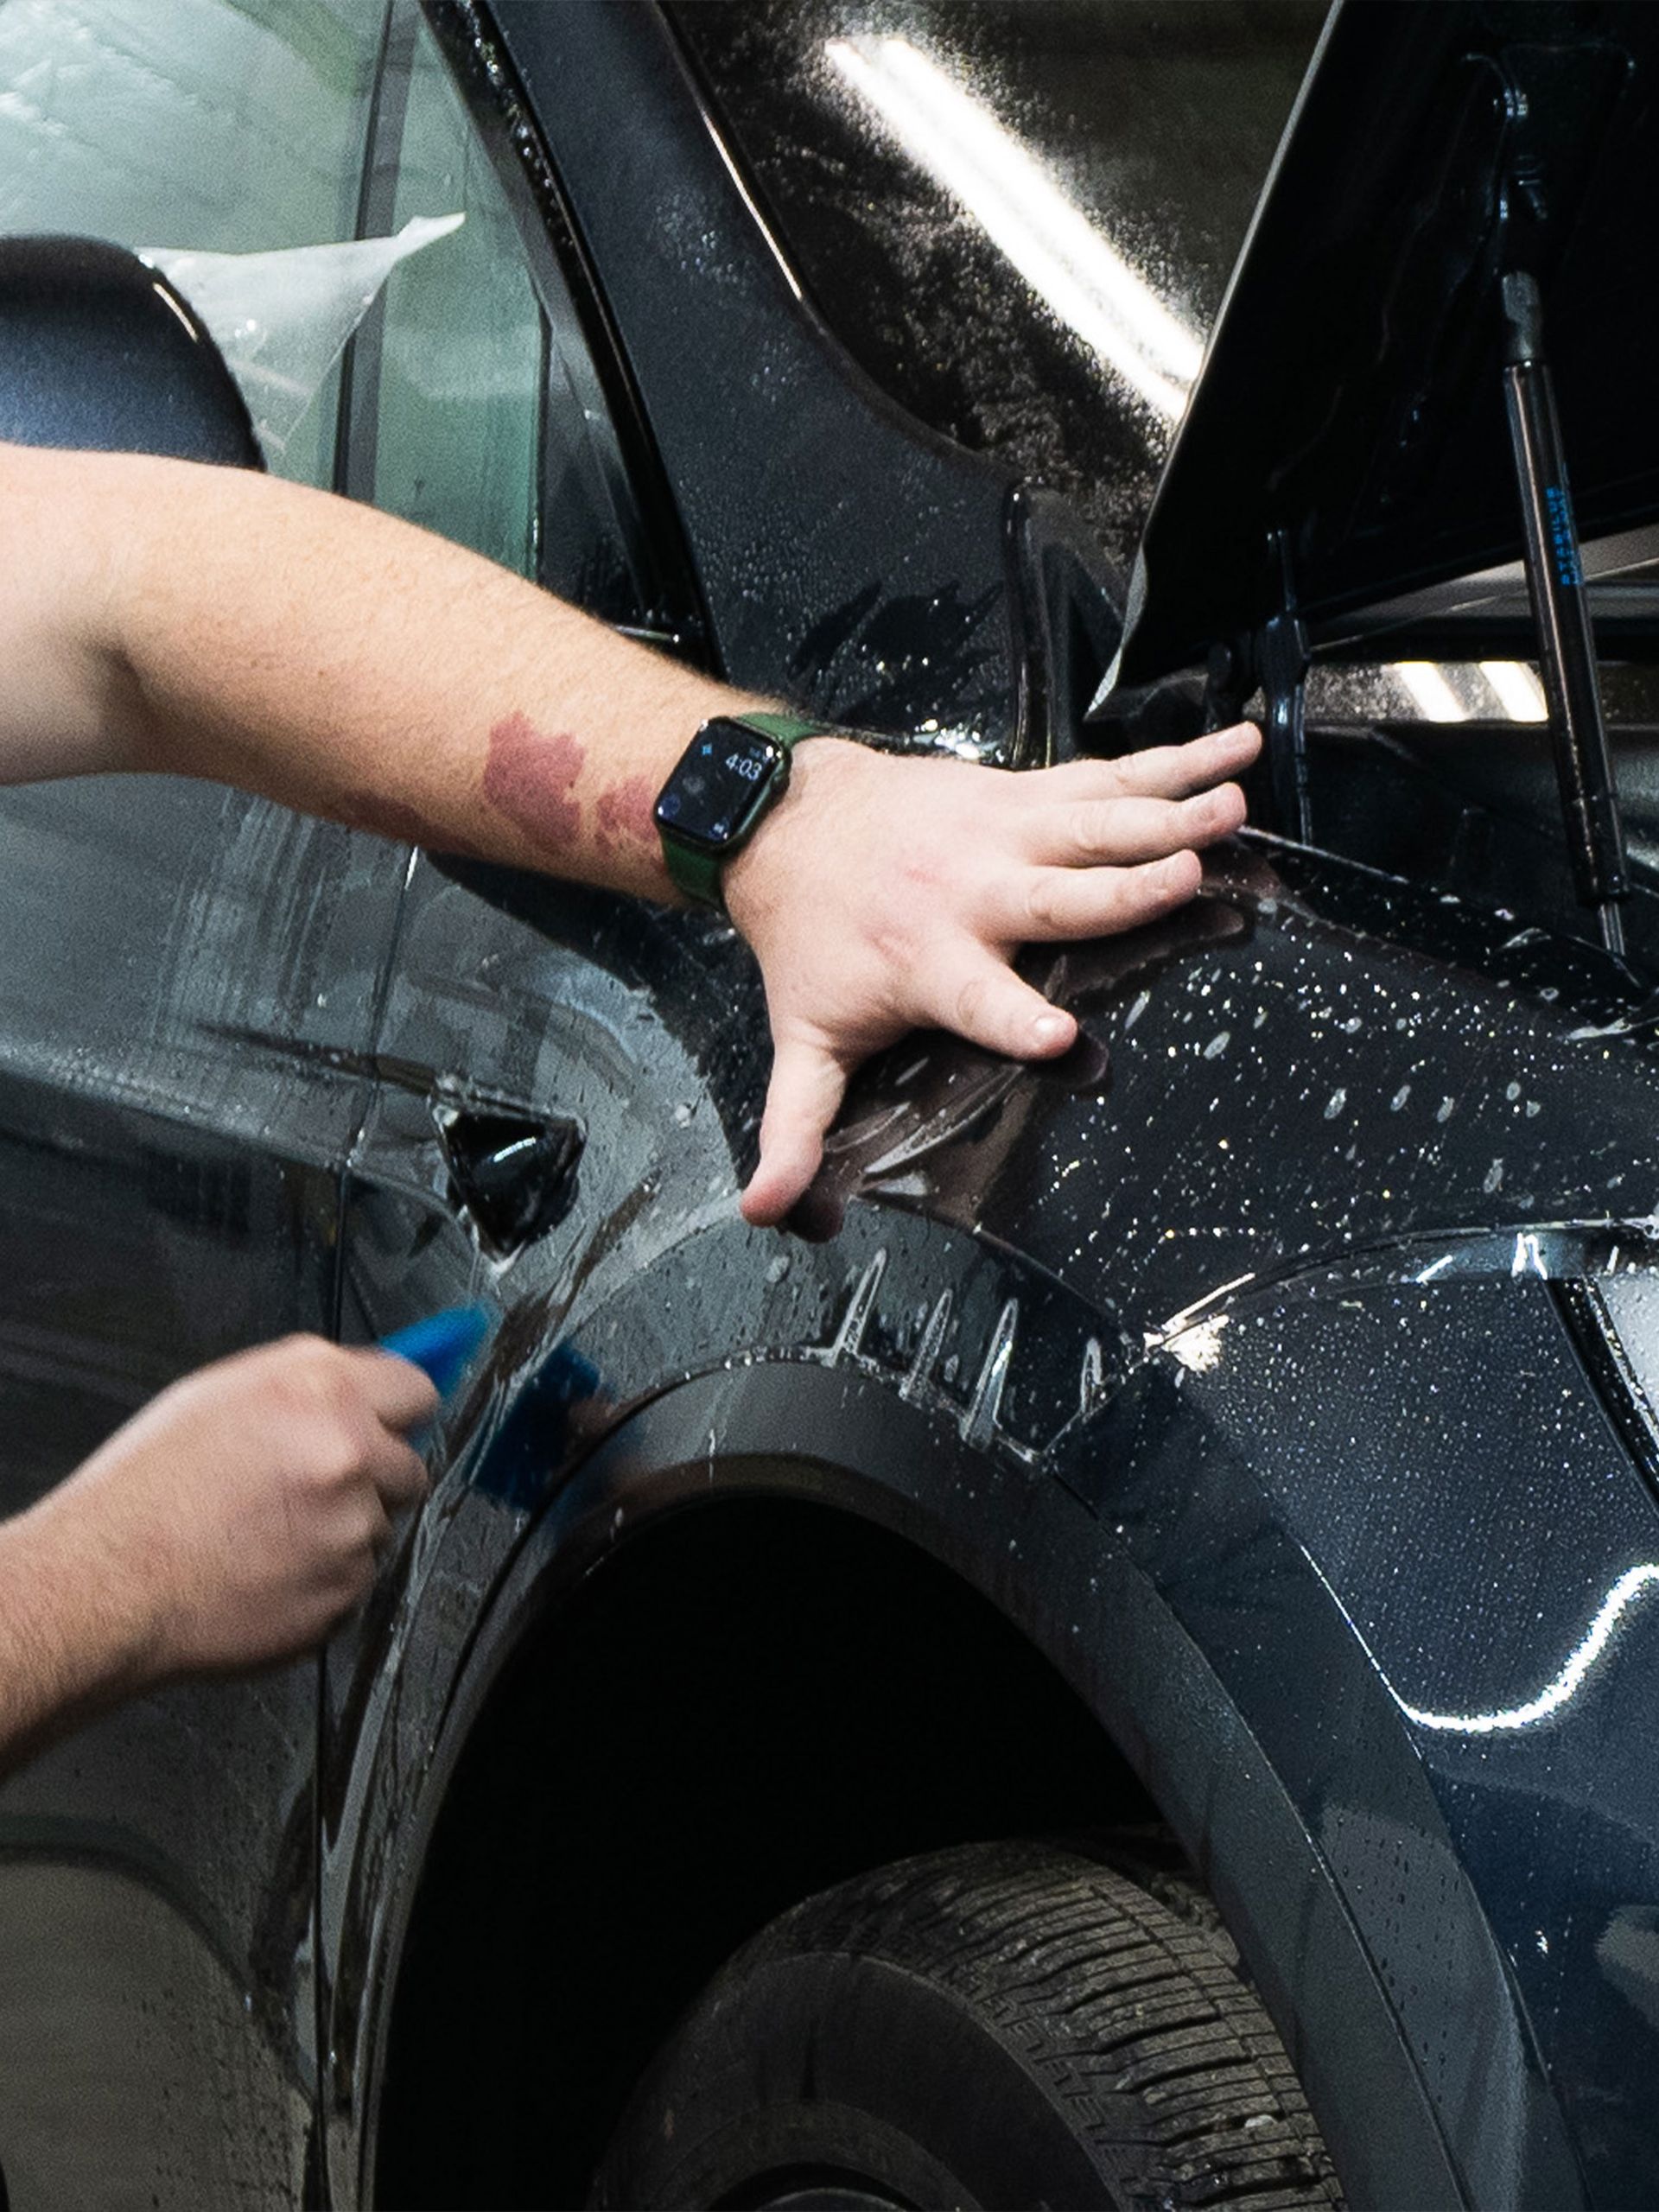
(1116, 1668)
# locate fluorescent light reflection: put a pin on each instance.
(1629, 1586)
(1433, 694)
(1519, 692)
(1054, 245)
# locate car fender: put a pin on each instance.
(1017, 1524)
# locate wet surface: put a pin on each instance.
(1025, 1259)
(918, 286)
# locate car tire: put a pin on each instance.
(996, 2025)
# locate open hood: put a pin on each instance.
(1345, 442)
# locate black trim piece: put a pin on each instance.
(1590, 1325)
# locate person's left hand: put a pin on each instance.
(887, 893)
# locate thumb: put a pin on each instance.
(808, 1084)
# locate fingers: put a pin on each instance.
(1086, 833)
(982, 999)
(1164, 771)
(1055, 905)
(390, 1396)
(396, 1391)
(808, 1084)
(398, 1474)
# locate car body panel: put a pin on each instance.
(1350, 398)
(780, 450)
(993, 1279)
(962, 1281)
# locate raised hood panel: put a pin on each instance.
(1351, 398)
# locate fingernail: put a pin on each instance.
(1050, 1028)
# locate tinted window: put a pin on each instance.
(918, 156)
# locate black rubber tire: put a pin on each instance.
(997, 2025)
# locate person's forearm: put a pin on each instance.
(68, 1642)
(223, 625)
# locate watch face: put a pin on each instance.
(713, 795)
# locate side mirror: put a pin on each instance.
(97, 350)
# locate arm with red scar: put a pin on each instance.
(209, 622)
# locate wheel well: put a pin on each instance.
(749, 1701)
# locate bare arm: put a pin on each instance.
(206, 622)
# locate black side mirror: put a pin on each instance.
(97, 350)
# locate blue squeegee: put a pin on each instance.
(443, 1346)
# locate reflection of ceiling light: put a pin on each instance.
(1519, 692)
(1566, 1685)
(1439, 702)
(1518, 689)
(1055, 248)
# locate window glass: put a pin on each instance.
(486, 417)
(463, 374)
(230, 126)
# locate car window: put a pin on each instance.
(229, 126)
(463, 361)
(476, 407)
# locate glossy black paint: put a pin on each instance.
(1226, 1366)
(844, 557)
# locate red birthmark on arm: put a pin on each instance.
(529, 777)
(404, 824)
(623, 815)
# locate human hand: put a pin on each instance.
(890, 892)
(238, 1516)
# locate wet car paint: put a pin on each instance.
(1013, 1304)
(1053, 1343)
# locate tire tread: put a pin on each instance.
(1163, 2015)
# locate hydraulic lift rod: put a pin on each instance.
(1559, 610)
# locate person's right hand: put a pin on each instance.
(240, 1514)
(887, 893)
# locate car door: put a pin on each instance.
(187, 985)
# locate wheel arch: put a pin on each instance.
(1011, 1546)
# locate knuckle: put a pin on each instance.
(303, 1374)
(1043, 905)
(340, 1450)
(1088, 827)
(971, 1001)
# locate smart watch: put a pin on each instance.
(734, 770)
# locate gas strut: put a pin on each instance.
(1561, 616)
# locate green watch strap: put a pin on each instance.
(787, 729)
(695, 873)
(698, 873)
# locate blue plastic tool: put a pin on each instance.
(443, 1346)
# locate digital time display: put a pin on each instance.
(713, 796)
